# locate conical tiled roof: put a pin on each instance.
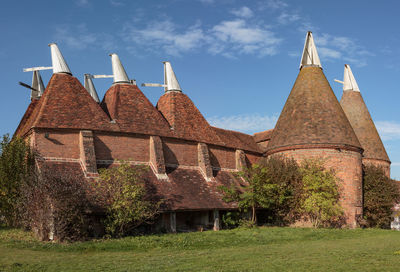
(66, 104)
(312, 116)
(361, 121)
(133, 112)
(185, 119)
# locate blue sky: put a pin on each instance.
(237, 60)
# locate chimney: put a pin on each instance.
(120, 76)
(310, 54)
(57, 59)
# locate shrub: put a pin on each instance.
(273, 184)
(320, 201)
(55, 203)
(16, 161)
(380, 195)
(122, 191)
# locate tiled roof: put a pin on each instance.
(66, 104)
(361, 121)
(263, 135)
(237, 140)
(312, 116)
(133, 112)
(22, 127)
(185, 119)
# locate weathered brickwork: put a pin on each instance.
(121, 147)
(63, 144)
(348, 168)
(180, 152)
(222, 157)
(204, 161)
(379, 163)
(157, 155)
(240, 158)
(87, 153)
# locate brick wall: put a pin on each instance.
(180, 152)
(121, 147)
(380, 163)
(57, 144)
(222, 157)
(347, 165)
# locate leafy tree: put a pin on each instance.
(16, 161)
(320, 194)
(272, 184)
(380, 195)
(126, 199)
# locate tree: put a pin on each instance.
(320, 200)
(16, 162)
(123, 193)
(380, 195)
(273, 184)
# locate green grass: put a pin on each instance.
(258, 249)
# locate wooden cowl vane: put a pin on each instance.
(357, 113)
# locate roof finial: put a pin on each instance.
(349, 82)
(310, 54)
(89, 86)
(119, 73)
(171, 84)
(57, 59)
(170, 80)
(37, 85)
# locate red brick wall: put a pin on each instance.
(180, 152)
(121, 147)
(347, 165)
(58, 144)
(384, 164)
(222, 157)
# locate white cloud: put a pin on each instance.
(287, 18)
(340, 47)
(388, 130)
(82, 3)
(166, 36)
(248, 123)
(243, 12)
(395, 164)
(328, 53)
(239, 36)
(117, 3)
(79, 37)
(273, 4)
(228, 38)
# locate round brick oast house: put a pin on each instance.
(357, 113)
(313, 125)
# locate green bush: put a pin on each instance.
(16, 162)
(380, 195)
(320, 199)
(124, 195)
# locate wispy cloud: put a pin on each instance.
(207, 1)
(117, 3)
(288, 18)
(272, 4)
(243, 12)
(239, 37)
(82, 3)
(388, 130)
(247, 123)
(165, 35)
(79, 37)
(227, 38)
(332, 47)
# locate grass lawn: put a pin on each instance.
(258, 249)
